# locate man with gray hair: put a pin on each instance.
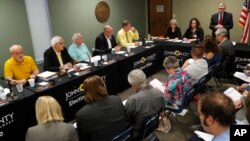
(57, 58)
(106, 40)
(19, 68)
(147, 100)
(222, 19)
(227, 49)
(225, 44)
(78, 50)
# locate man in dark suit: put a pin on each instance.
(221, 19)
(57, 58)
(227, 51)
(106, 40)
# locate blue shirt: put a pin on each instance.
(224, 136)
(79, 53)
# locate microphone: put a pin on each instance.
(10, 96)
(98, 50)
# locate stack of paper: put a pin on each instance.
(94, 59)
(242, 76)
(47, 75)
(157, 84)
(204, 136)
(232, 93)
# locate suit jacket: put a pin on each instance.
(51, 62)
(52, 131)
(227, 49)
(148, 101)
(101, 120)
(102, 43)
(227, 22)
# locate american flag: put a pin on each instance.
(244, 21)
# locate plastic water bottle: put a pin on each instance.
(2, 94)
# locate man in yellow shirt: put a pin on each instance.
(19, 68)
(127, 35)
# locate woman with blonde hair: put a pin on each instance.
(103, 117)
(173, 31)
(50, 123)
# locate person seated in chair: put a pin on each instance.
(19, 68)
(227, 49)
(197, 66)
(103, 117)
(146, 102)
(212, 51)
(56, 58)
(78, 49)
(216, 112)
(106, 41)
(177, 84)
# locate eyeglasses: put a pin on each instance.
(61, 43)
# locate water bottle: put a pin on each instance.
(2, 94)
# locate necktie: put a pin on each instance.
(220, 19)
(127, 37)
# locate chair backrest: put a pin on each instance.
(125, 135)
(201, 83)
(152, 137)
(149, 124)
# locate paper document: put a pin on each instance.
(157, 84)
(46, 74)
(124, 102)
(242, 76)
(204, 136)
(232, 93)
(94, 59)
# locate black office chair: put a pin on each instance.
(187, 98)
(152, 137)
(126, 135)
(201, 84)
(149, 124)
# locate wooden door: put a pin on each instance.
(160, 13)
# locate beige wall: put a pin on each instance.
(184, 10)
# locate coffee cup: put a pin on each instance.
(19, 87)
(31, 82)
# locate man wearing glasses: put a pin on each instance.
(19, 68)
(57, 58)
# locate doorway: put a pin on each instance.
(160, 13)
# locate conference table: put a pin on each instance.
(17, 116)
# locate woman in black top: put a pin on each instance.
(194, 31)
(173, 31)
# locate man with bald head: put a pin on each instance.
(106, 40)
(19, 68)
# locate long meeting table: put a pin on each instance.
(17, 116)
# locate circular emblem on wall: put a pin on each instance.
(102, 11)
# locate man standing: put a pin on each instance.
(19, 68)
(106, 40)
(221, 19)
(78, 50)
(127, 35)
